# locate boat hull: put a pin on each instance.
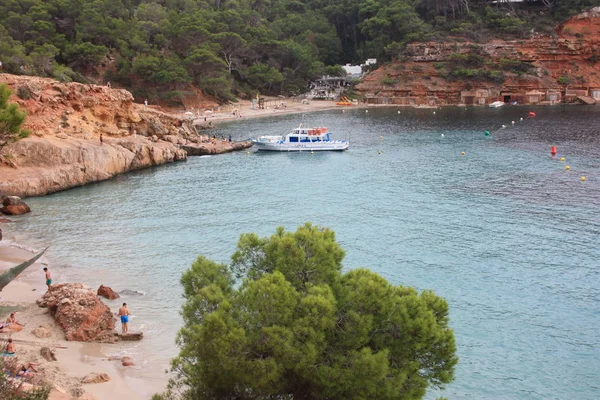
(330, 146)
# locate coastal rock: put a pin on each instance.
(127, 362)
(79, 312)
(41, 333)
(107, 292)
(215, 148)
(530, 71)
(95, 377)
(48, 354)
(128, 292)
(131, 336)
(4, 220)
(56, 159)
(13, 205)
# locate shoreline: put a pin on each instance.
(74, 359)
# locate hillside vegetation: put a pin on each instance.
(227, 48)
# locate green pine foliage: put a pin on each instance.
(11, 119)
(239, 47)
(284, 321)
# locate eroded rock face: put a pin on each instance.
(419, 79)
(67, 121)
(107, 292)
(13, 205)
(79, 312)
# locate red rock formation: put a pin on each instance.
(79, 312)
(107, 292)
(13, 205)
(564, 68)
(67, 121)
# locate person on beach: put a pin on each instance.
(27, 370)
(12, 319)
(9, 349)
(48, 278)
(101, 139)
(124, 314)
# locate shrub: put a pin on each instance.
(11, 118)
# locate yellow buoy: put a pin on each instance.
(248, 152)
(366, 111)
(380, 137)
(463, 153)
(562, 159)
(582, 178)
(379, 152)
(567, 167)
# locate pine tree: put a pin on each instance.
(11, 118)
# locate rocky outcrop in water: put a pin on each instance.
(13, 205)
(203, 149)
(107, 292)
(79, 312)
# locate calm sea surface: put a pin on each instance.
(504, 233)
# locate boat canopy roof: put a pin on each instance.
(309, 131)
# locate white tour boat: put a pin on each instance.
(301, 139)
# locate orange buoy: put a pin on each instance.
(531, 114)
(553, 150)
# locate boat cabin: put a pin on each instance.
(309, 135)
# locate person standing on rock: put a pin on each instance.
(48, 278)
(101, 139)
(124, 314)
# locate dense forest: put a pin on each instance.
(227, 48)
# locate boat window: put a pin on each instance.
(293, 139)
(305, 139)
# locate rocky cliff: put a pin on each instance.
(83, 133)
(541, 69)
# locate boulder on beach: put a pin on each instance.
(95, 377)
(107, 292)
(79, 312)
(41, 333)
(127, 361)
(48, 354)
(13, 205)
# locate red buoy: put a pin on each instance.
(553, 150)
(531, 114)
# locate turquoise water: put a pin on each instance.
(504, 233)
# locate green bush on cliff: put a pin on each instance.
(11, 118)
(284, 321)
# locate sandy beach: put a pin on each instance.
(74, 359)
(243, 110)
